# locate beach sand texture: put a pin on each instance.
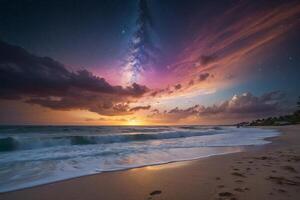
(265, 172)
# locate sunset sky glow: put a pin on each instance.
(147, 62)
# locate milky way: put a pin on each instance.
(148, 62)
(141, 49)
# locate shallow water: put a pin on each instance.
(33, 155)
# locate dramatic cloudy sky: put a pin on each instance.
(147, 62)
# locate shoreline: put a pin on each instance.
(160, 171)
(235, 149)
(177, 162)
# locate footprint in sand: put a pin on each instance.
(289, 168)
(281, 190)
(239, 181)
(155, 192)
(283, 181)
(241, 189)
(225, 194)
(263, 158)
(238, 174)
(238, 189)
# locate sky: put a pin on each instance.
(147, 62)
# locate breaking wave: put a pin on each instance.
(34, 155)
(17, 143)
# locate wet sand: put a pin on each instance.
(266, 172)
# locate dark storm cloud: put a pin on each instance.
(207, 59)
(191, 82)
(203, 76)
(44, 81)
(137, 108)
(177, 86)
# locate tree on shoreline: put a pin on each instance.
(298, 105)
(277, 121)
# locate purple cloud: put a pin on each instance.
(46, 82)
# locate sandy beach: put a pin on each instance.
(265, 172)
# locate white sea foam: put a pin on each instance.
(46, 154)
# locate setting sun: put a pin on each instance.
(134, 122)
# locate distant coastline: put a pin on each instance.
(291, 119)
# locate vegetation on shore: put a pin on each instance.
(276, 121)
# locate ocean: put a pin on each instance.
(34, 155)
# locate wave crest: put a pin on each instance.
(15, 143)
